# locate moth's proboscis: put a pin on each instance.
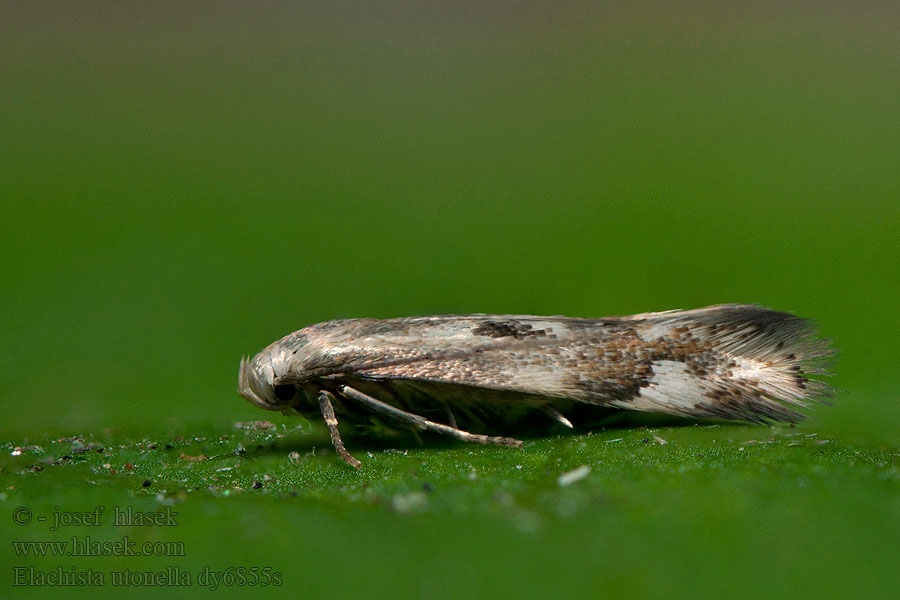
(491, 373)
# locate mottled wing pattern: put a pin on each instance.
(732, 361)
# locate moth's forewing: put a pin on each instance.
(732, 361)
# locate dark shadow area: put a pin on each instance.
(380, 437)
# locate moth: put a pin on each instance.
(494, 374)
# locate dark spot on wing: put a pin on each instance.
(624, 387)
(503, 329)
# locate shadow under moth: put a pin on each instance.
(493, 373)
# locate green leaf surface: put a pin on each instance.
(183, 183)
(658, 512)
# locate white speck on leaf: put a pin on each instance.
(573, 476)
(411, 502)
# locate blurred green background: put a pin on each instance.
(183, 183)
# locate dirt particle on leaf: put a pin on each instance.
(254, 425)
(192, 458)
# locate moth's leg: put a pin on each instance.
(557, 416)
(418, 390)
(451, 419)
(422, 423)
(327, 409)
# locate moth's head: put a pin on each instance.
(258, 380)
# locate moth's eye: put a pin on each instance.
(285, 392)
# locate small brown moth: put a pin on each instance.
(484, 372)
